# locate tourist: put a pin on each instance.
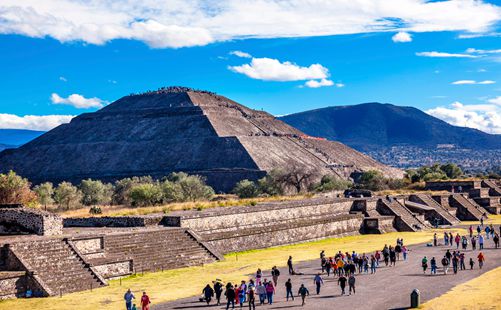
(288, 289)
(482, 221)
(252, 297)
(208, 293)
(323, 263)
(328, 266)
(351, 283)
(462, 265)
(481, 260)
(424, 264)
(404, 252)
(303, 291)
(218, 290)
(259, 275)
(471, 231)
(464, 242)
(398, 250)
(270, 291)
(366, 264)
(433, 265)
(377, 256)
(445, 264)
(340, 266)
(448, 255)
(145, 302)
(237, 295)
(342, 283)
(491, 229)
(373, 264)
(275, 273)
(289, 264)
(393, 256)
(457, 240)
(435, 239)
(242, 294)
(230, 296)
(386, 255)
(455, 263)
(481, 241)
(487, 232)
(496, 240)
(261, 292)
(318, 281)
(128, 297)
(478, 230)
(451, 239)
(446, 238)
(472, 263)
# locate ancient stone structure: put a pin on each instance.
(15, 219)
(179, 129)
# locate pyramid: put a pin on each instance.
(180, 129)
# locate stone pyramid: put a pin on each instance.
(179, 129)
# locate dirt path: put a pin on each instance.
(389, 288)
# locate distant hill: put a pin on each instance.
(10, 138)
(370, 126)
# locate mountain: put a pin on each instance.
(370, 126)
(180, 129)
(15, 137)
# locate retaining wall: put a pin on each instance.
(32, 221)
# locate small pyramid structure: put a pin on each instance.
(180, 129)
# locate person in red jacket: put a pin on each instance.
(145, 302)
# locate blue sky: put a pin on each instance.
(448, 67)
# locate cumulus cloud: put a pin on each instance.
(269, 69)
(473, 82)
(241, 54)
(485, 117)
(33, 122)
(199, 22)
(445, 55)
(78, 101)
(402, 37)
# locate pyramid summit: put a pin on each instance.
(180, 129)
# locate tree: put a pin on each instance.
(331, 183)
(296, 177)
(67, 196)
(94, 192)
(122, 189)
(246, 189)
(15, 189)
(147, 194)
(45, 191)
(193, 188)
(452, 170)
(272, 183)
(372, 180)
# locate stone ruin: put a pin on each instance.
(90, 251)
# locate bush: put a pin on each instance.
(143, 195)
(331, 183)
(122, 189)
(191, 187)
(67, 196)
(45, 192)
(95, 210)
(272, 183)
(246, 189)
(94, 192)
(372, 180)
(15, 189)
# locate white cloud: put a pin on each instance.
(443, 54)
(320, 83)
(62, 78)
(402, 37)
(473, 82)
(241, 54)
(33, 122)
(181, 23)
(269, 69)
(78, 101)
(477, 51)
(496, 100)
(485, 117)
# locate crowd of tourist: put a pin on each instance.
(345, 267)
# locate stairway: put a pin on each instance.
(471, 210)
(55, 262)
(408, 219)
(442, 211)
(494, 189)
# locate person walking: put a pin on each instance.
(288, 290)
(230, 296)
(208, 293)
(496, 240)
(424, 264)
(471, 231)
(251, 296)
(481, 260)
(404, 252)
(261, 292)
(328, 266)
(445, 264)
(289, 264)
(393, 256)
(451, 239)
(487, 232)
(462, 265)
(457, 239)
(464, 242)
(473, 243)
(472, 263)
(435, 239)
(218, 290)
(128, 297)
(270, 291)
(303, 292)
(145, 302)
(446, 238)
(351, 283)
(433, 265)
(455, 263)
(373, 264)
(481, 241)
(318, 281)
(342, 283)
(386, 255)
(275, 273)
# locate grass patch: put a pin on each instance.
(494, 219)
(185, 282)
(479, 293)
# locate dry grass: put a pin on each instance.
(493, 219)
(197, 205)
(479, 293)
(185, 282)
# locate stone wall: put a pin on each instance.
(32, 220)
(118, 221)
(12, 284)
(115, 270)
(89, 245)
(449, 185)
